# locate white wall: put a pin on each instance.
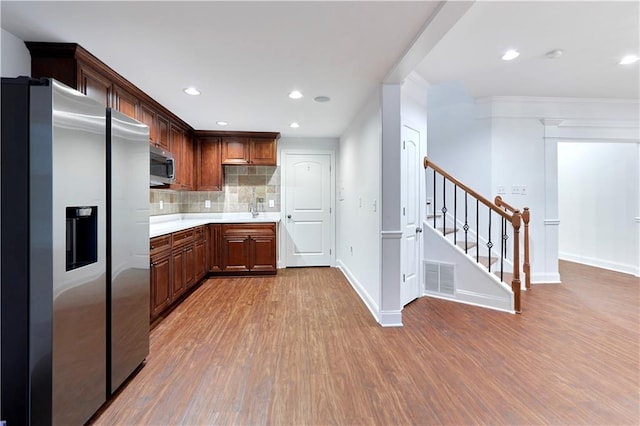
(459, 141)
(15, 59)
(598, 200)
(525, 134)
(359, 182)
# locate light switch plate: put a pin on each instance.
(207, 204)
(515, 190)
(502, 190)
(523, 190)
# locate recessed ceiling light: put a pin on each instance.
(221, 123)
(322, 99)
(294, 125)
(295, 94)
(553, 54)
(629, 59)
(510, 54)
(192, 91)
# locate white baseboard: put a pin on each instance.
(599, 263)
(359, 288)
(545, 278)
(468, 302)
(391, 318)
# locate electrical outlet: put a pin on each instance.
(207, 204)
(360, 201)
(161, 204)
(375, 205)
(272, 203)
(502, 189)
(351, 249)
(515, 190)
(523, 190)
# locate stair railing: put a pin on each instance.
(514, 218)
(526, 216)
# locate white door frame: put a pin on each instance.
(283, 202)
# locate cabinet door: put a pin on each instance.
(215, 247)
(200, 259)
(94, 85)
(263, 152)
(235, 150)
(148, 116)
(125, 102)
(236, 253)
(160, 275)
(177, 265)
(162, 132)
(189, 266)
(209, 169)
(188, 181)
(263, 253)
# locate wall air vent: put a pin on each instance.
(439, 278)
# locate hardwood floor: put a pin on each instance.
(300, 348)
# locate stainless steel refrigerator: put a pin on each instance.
(75, 258)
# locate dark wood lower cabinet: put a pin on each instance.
(160, 283)
(181, 260)
(248, 248)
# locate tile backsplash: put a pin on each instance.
(240, 182)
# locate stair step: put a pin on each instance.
(431, 216)
(507, 277)
(484, 260)
(470, 244)
(447, 230)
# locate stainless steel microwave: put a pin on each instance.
(162, 167)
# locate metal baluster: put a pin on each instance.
(444, 205)
(466, 224)
(455, 214)
(502, 243)
(477, 231)
(489, 243)
(434, 199)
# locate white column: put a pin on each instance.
(551, 216)
(391, 235)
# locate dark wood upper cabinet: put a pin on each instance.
(248, 148)
(248, 151)
(262, 152)
(235, 150)
(125, 102)
(181, 146)
(208, 168)
(94, 85)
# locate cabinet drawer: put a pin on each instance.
(199, 233)
(159, 244)
(183, 237)
(249, 229)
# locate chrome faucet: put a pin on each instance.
(253, 206)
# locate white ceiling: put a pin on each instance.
(246, 56)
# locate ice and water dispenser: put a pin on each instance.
(82, 236)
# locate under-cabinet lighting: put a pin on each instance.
(510, 54)
(294, 125)
(192, 91)
(221, 123)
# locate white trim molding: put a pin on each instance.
(360, 289)
(391, 318)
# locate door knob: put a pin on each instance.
(288, 216)
(418, 230)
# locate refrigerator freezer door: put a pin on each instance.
(68, 168)
(128, 225)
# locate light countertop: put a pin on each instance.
(166, 224)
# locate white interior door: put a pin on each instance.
(308, 211)
(410, 288)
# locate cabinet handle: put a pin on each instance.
(152, 247)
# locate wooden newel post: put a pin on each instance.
(526, 267)
(515, 284)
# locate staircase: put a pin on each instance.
(472, 245)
